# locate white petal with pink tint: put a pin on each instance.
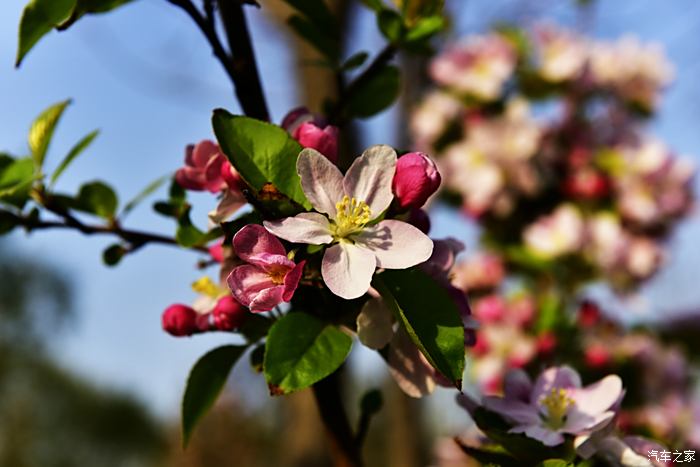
(307, 227)
(347, 269)
(321, 181)
(375, 324)
(598, 397)
(369, 178)
(396, 244)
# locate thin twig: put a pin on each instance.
(135, 237)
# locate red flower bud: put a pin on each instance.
(597, 356)
(228, 314)
(546, 343)
(416, 178)
(203, 167)
(588, 314)
(180, 320)
(324, 140)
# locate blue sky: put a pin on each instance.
(147, 79)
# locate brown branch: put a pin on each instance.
(344, 446)
(135, 237)
(246, 78)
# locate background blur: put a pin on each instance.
(87, 377)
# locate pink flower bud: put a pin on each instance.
(203, 167)
(490, 308)
(597, 356)
(416, 178)
(180, 320)
(231, 177)
(217, 251)
(228, 314)
(546, 343)
(588, 314)
(324, 140)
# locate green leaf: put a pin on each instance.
(187, 234)
(302, 350)
(72, 154)
(355, 61)
(145, 193)
(318, 14)
(555, 463)
(488, 456)
(375, 5)
(430, 317)
(113, 254)
(425, 28)
(97, 198)
(261, 152)
(83, 7)
(16, 178)
(38, 18)
(42, 130)
(206, 380)
(391, 25)
(375, 94)
(315, 37)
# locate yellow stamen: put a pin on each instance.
(277, 277)
(352, 216)
(557, 404)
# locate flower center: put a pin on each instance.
(352, 216)
(277, 277)
(557, 404)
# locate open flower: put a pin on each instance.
(350, 205)
(270, 277)
(556, 405)
(204, 164)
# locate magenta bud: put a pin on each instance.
(416, 178)
(324, 140)
(228, 314)
(203, 167)
(180, 320)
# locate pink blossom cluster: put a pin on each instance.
(540, 137)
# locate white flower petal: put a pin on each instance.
(321, 181)
(375, 324)
(369, 178)
(347, 269)
(598, 397)
(396, 244)
(307, 227)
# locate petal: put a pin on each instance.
(267, 299)
(396, 244)
(307, 227)
(291, 281)
(321, 181)
(347, 269)
(512, 410)
(375, 324)
(254, 240)
(598, 397)
(272, 263)
(231, 202)
(540, 433)
(555, 377)
(578, 422)
(517, 385)
(369, 178)
(407, 367)
(247, 282)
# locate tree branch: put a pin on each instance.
(246, 78)
(344, 448)
(135, 237)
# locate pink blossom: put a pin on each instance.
(555, 405)
(312, 132)
(270, 277)
(180, 320)
(204, 163)
(350, 204)
(490, 308)
(216, 251)
(415, 180)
